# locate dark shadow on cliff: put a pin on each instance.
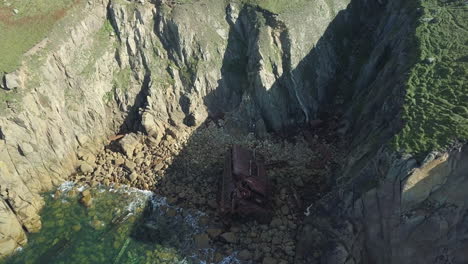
(132, 121)
(297, 95)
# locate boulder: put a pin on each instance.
(86, 198)
(86, 168)
(245, 255)
(119, 161)
(214, 232)
(11, 81)
(133, 176)
(269, 260)
(202, 241)
(128, 144)
(130, 165)
(229, 237)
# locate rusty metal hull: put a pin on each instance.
(244, 189)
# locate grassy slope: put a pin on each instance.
(436, 108)
(20, 32)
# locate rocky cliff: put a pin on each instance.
(160, 67)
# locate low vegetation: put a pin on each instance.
(23, 24)
(436, 108)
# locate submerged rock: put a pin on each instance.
(86, 198)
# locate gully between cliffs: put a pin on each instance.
(183, 88)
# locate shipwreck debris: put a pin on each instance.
(244, 189)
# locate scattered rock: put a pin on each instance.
(218, 257)
(76, 228)
(214, 232)
(213, 204)
(428, 19)
(72, 193)
(202, 241)
(86, 198)
(269, 260)
(130, 165)
(133, 176)
(97, 224)
(430, 60)
(276, 240)
(245, 255)
(276, 222)
(89, 158)
(229, 237)
(298, 182)
(204, 220)
(171, 212)
(119, 161)
(142, 166)
(128, 144)
(86, 168)
(106, 182)
(285, 210)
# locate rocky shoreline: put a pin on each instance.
(185, 168)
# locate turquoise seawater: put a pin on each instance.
(122, 226)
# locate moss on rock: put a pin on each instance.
(435, 111)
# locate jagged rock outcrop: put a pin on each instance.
(385, 207)
(62, 108)
(157, 65)
(411, 214)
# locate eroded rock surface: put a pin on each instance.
(156, 68)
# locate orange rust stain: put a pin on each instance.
(116, 137)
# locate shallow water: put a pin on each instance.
(122, 226)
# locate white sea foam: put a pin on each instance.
(19, 249)
(139, 198)
(232, 259)
(66, 186)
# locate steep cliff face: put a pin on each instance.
(161, 67)
(61, 106)
(153, 67)
(388, 207)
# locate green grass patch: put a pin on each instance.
(122, 79)
(21, 31)
(9, 99)
(101, 43)
(188, 72)
(109, 96)
(436, 107)
(276, 6)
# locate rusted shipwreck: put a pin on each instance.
(244, 189)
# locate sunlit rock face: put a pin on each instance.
(159, 69)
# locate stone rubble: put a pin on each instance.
(185, 167)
